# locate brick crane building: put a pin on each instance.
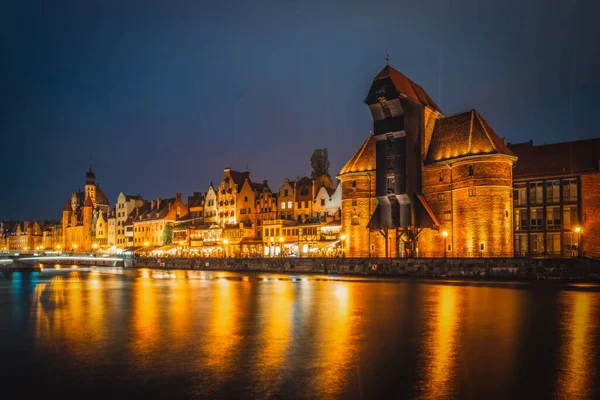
(426, 184)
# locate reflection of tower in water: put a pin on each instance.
(578, 335)
(441, 343)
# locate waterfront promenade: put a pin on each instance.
(518, 268)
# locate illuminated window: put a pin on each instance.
(290, 205)
(472, 193)
(283, 205)
(570, 190)
(391, 181)
(441, 197)
(536, 219)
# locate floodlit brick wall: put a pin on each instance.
(485, 216)
(356, 214)
(590, 205)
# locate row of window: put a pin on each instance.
(546, 243)
(550, 189)
(534, 218)
(147, 228)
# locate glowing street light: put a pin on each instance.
(578, 231)
(445, 235)
(280, 246)
(74, 246)
(343, 237)
(225, 243)
(95, 246)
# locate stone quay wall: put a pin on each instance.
(452, 267)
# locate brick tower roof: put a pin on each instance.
(404, 85)
(88, 202)
(363, 160)
(67, 206)
(463, 134)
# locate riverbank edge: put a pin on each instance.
(440, 278)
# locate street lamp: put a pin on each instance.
(95, 246)
(445, 235)
(74, 246)
(146, 244)
(225, 243)
(578, 232)
(281, 246)
(343, 237)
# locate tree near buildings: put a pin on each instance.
(319, 163)
(167, 236)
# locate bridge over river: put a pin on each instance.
(35, 263)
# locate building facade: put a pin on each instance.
(125, 205)
(556, 195)
(80, 215)
(438, 180)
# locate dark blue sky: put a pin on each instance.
(162, 95)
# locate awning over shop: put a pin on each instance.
(133, 249)
(325, 244)
(165, 249)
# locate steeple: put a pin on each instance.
(90, 177)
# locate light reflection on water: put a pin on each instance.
(579, 322)
(218, 334)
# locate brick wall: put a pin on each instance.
(356, 213)
(485, 217)
(590, 205)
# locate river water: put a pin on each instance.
(110, 333)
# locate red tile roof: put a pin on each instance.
(579, 156)
(407, 87)
(463, 134)
(363, 160)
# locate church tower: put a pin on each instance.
(90, 185)
(66, 219)
(88, 208)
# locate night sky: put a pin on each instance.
(162, 95)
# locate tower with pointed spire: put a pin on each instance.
(90, 185)
(80, 215)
